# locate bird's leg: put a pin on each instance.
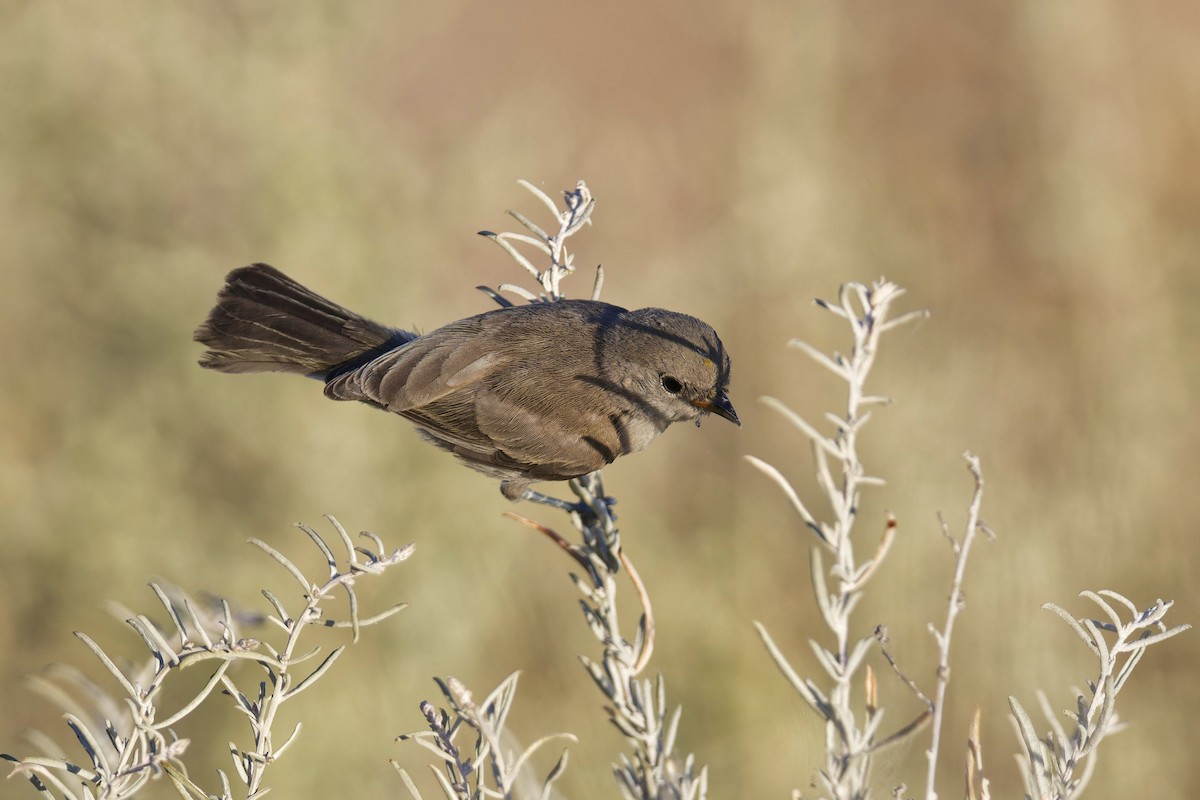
(546, 500)
(586, 512)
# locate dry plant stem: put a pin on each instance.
(849, 740)
(463, 776)
(637, 707)
(962, 551)
(138, 740)
(553, 535)
(283, 683)
(647, 613)
(1049, 763)
(977, 785)
(579, 205)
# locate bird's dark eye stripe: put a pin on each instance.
(671, 384)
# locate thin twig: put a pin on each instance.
(962, 551)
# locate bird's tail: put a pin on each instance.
(266, 322)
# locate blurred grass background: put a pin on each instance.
(1028, 170)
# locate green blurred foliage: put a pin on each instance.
(1028, 170)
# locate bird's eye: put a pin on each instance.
(672, 385)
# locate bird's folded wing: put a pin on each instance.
(422, 371)
(551, 442)
(476, 399)
(506, 435)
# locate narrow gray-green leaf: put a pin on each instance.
(191, 706)
(316, 538)
(285, 562)
(533, 748)
(408, 781)
(316, 674)
(172, 611)
(1034, 748)
(110, 666)
(555, 773)
(784, 667)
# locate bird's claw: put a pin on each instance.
(586, 512)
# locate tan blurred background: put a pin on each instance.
(1027, 170)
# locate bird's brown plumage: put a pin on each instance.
(546, 391)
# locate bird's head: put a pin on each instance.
(673, 363)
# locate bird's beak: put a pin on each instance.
(719, 404)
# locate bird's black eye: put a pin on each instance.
(671, 384)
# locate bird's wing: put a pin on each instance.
(422, 371)
(550, 442)
(501, 459)
(509, 434)
(481, 400)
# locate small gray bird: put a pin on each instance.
(539, 392)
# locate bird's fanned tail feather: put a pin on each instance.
(266, 322)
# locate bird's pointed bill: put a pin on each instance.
(720, 405)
